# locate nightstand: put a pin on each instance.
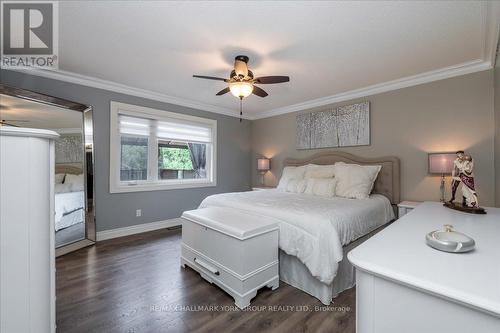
(260, 188)
(405, 207)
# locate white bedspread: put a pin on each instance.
(69, 208)
(313, 228)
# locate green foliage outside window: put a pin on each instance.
(174, 158)
(134, 157)
(134, 153)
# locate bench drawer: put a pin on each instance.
(242, 288)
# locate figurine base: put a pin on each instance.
(462, 208)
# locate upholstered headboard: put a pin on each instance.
(387, 182)
(67, 168)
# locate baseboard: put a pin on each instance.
(137, 229)
(73, 247)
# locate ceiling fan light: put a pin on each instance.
(241, 89)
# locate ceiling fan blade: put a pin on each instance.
(210, 78)
(4, 123)
(272, 79)
(223, 91)
(259, 92)
(17, 120)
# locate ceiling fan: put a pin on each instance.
(242, 83)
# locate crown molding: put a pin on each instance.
(491, 30)
(93, 82)
(490, 13)
(435, 75)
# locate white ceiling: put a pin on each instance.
(39, 115)
(332, 51)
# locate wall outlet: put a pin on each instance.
(138, 212)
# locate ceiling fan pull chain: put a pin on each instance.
(241, 112)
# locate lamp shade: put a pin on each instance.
(263, 164)
(441, 163)
(241, 89)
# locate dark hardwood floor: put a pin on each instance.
(135, 284)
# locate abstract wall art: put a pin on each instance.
(69, 149)
(342, 126)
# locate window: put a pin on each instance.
(174, 161)
(134, 158)
(159, 150)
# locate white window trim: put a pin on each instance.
(116, 186)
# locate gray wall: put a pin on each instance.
(497, 129)
(445, 115)
(118, 210)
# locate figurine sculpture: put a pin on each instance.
(462, 173)
(455, 178)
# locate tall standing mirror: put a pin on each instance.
(74, 159)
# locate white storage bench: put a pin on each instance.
(234, 249)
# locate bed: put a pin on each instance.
(316, 233)
(69, 198)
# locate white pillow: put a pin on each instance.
(62, 188)
(76, 181)
(355, 181)
(319, 171)
(59, 178)
(290, 172)
(296, 185)
(322, 187)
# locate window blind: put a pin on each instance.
(134, 125)
(166, 129)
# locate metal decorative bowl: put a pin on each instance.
(450, 240)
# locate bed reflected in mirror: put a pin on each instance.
(69, 204)
(74, 223)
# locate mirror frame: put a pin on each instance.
(88, 162)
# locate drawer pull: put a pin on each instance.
(208, 267)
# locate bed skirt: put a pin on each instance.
(296, 274)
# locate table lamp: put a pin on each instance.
(442, 164)
(263, 166)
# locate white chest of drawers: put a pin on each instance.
(27, 252)
(235, 250)
(403, 285)
(407, 206)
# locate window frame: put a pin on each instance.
(152, 184)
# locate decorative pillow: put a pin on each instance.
(296, 185)
(76, 181)
(60, 178)
(355, 181)
(319, 171)
(322, 187)
(290, 172)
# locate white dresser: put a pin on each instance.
(27, 261)
(236, 250)
(403, 285)
(405, 207)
